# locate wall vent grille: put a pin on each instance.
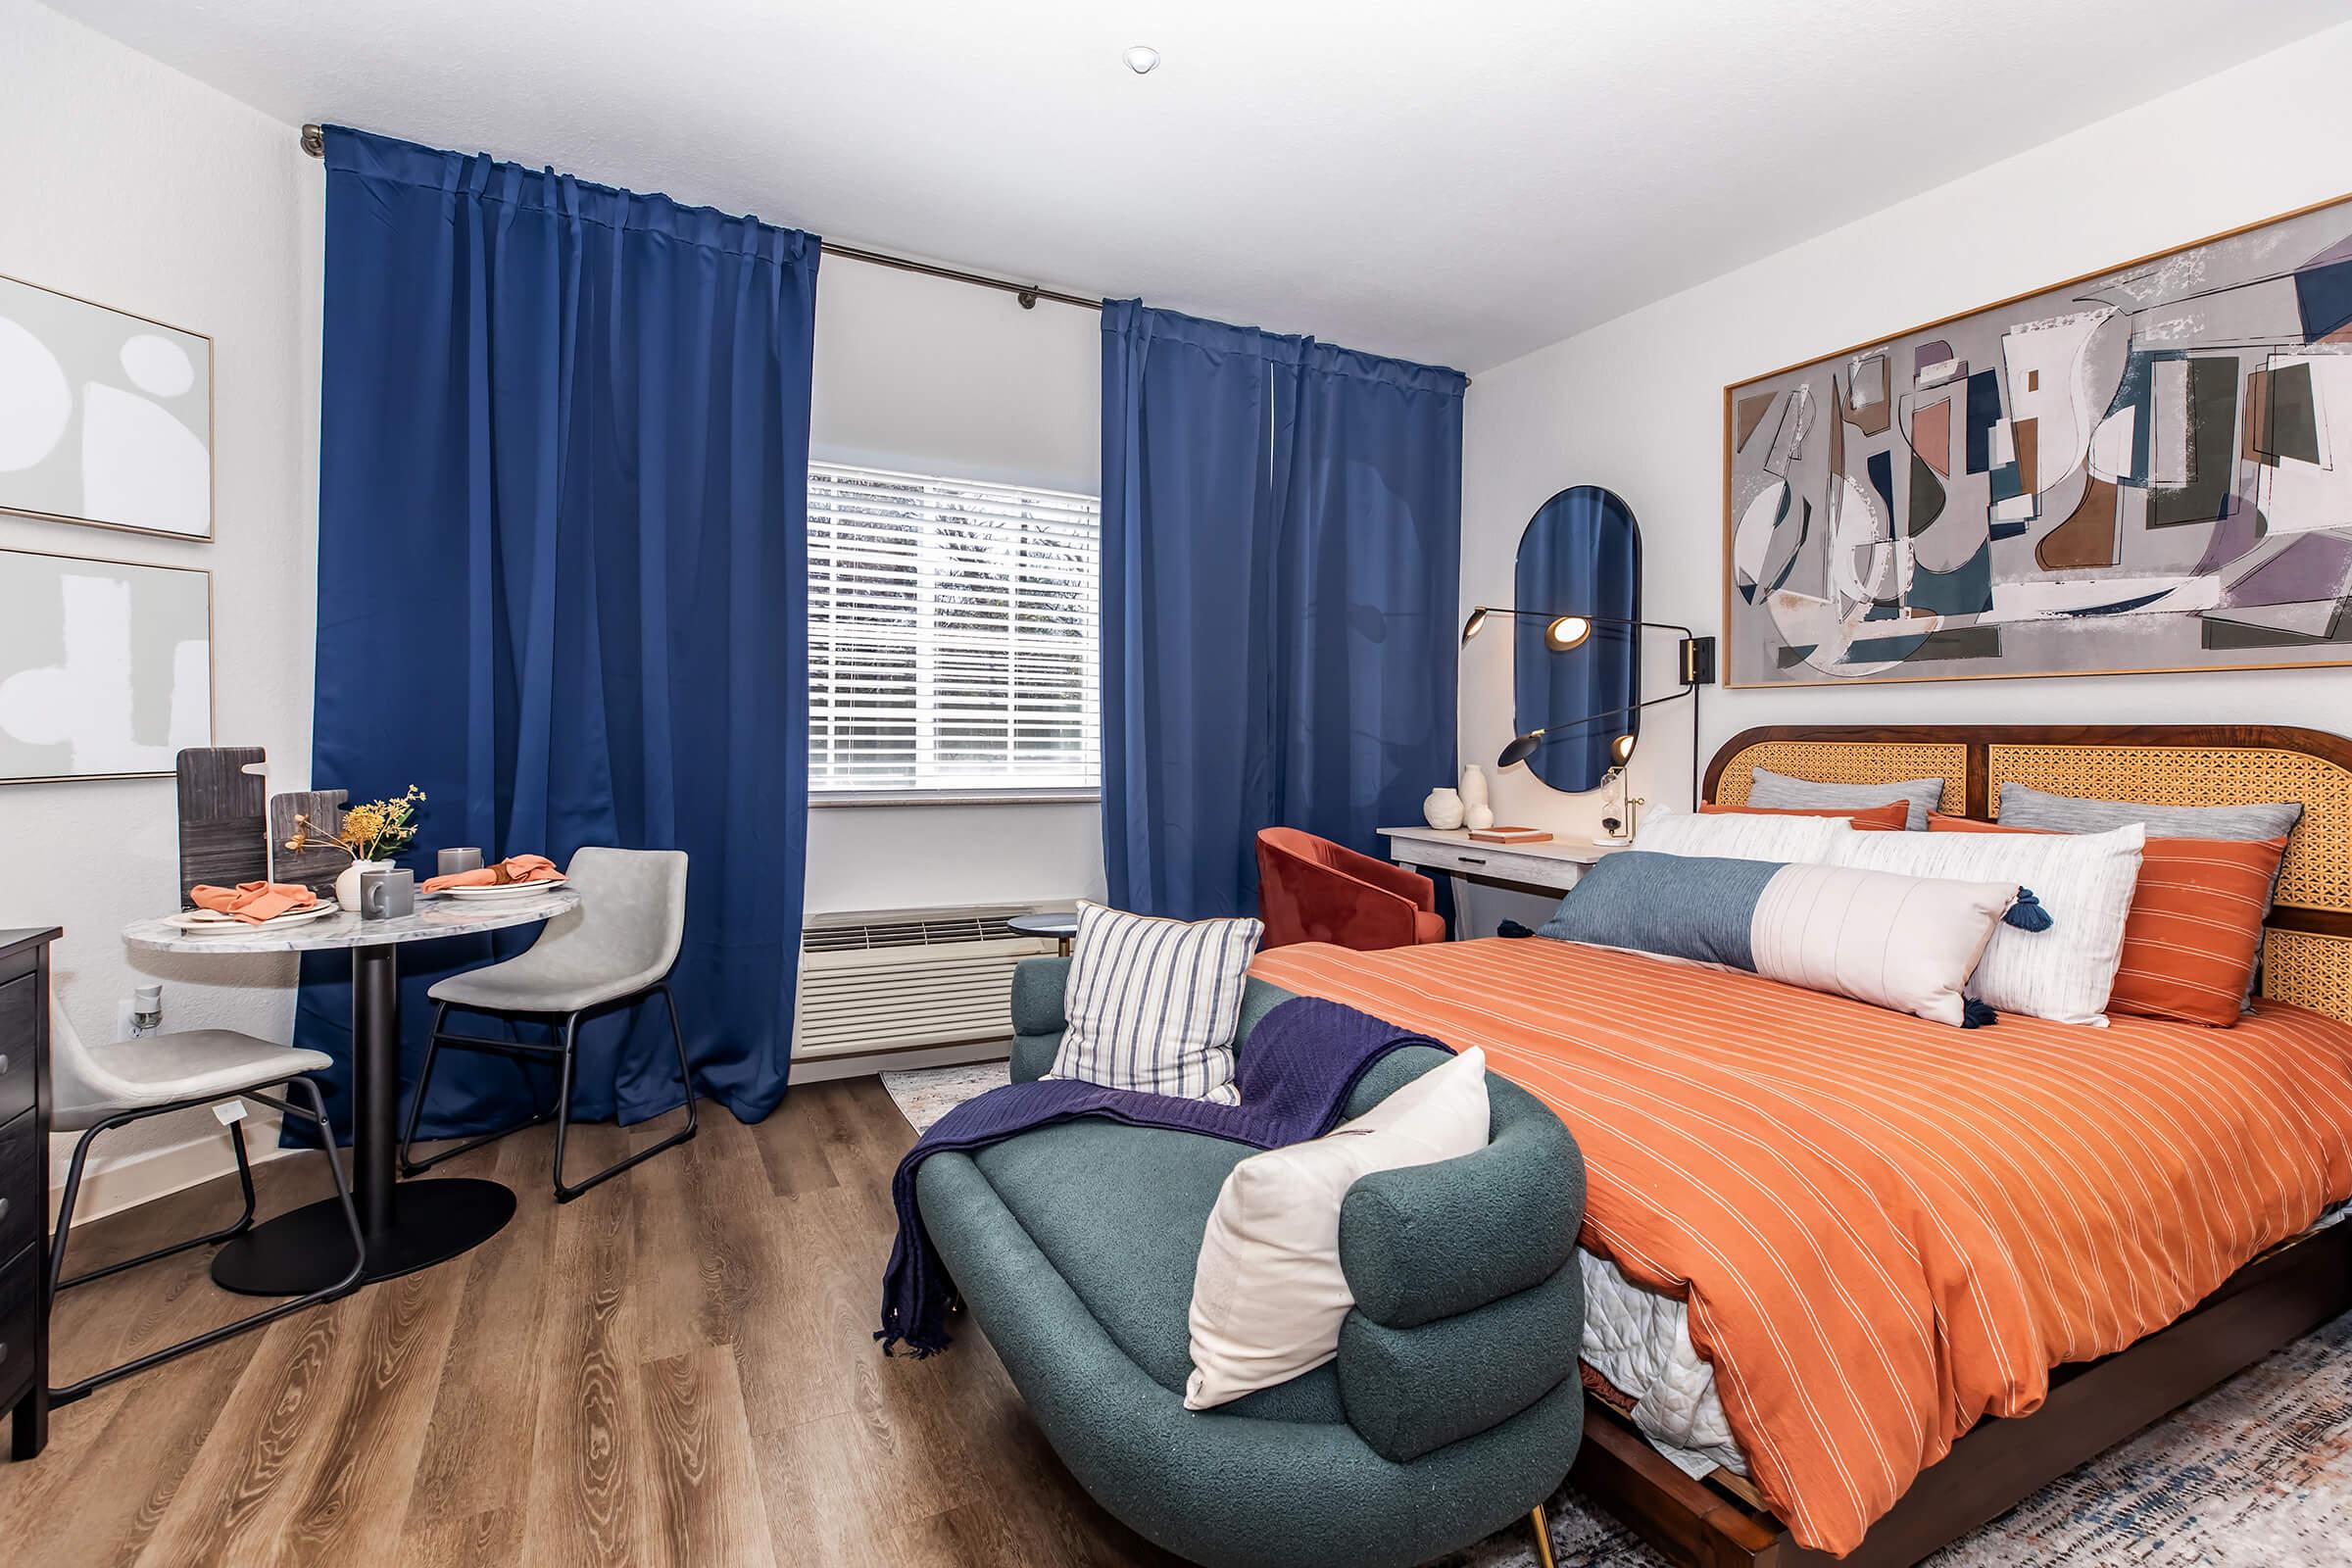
(884, 980)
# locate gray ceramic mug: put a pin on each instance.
(453, 862)
(387, 895)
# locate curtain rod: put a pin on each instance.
(314, 142)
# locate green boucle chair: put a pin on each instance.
(1453, 1409)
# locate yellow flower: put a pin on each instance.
(374, 830)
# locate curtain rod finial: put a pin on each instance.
(314, 140)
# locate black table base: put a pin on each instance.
(309, 1248)
(409, 1225)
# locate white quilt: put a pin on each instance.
(1640, 1341)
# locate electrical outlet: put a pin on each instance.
(127, 1014)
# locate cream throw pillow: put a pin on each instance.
(1268, 1293)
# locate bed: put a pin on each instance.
(1926, 1270)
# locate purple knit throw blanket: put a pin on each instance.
(1305, 1059)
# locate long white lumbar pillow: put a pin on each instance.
(1902, 942)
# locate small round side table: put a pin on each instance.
(1059, 924)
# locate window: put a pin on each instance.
(953, 636)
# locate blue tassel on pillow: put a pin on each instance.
(1974, 1015)
(2027, 914)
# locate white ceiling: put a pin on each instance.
(1459, 184)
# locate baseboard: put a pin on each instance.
(824, 1069)
(112, 1186)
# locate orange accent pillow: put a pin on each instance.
(1893, 817)
(2194, 933)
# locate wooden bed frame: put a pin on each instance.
(1720, 1521)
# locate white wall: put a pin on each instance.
(138, 188)
(1636, 403)
(928, 377)
(131, 184)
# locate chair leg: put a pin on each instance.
(566, 1193)
(351, 1217)
(571, 1033)
(432, 1047)
(425, 1081)
(237, 1227)
(1543, 1525)
(65, 1206)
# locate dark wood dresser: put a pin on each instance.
(23, 1183)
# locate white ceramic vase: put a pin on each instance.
(1478, 815)
(1441, 809)
(1474, 791)
(347, 882)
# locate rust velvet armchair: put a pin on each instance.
(1313, 890)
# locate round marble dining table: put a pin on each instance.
(407, 1225)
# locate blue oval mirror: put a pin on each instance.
(1576, 666)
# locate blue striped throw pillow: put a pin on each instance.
(1152, 1004)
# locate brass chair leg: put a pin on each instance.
(1543, 1523)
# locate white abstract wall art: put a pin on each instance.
(105, 418)
(2147, 469)
(105, 668)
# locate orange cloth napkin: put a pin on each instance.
(513, 868)
(253, 901)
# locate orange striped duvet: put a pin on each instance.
(1885, 1228)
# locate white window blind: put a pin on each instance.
(952, 637)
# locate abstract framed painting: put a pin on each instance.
(2144, 468)
(106, 667)
(105, 418)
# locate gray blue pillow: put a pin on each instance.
(1779, 790)
(2066, 814)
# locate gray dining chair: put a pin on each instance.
(610, 950)
(95, 1089)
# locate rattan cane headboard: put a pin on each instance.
(2307, 953)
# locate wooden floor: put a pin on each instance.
(676, 1368)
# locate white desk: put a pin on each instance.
(1530, 871)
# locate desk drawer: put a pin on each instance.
(20, 1323)
(17, 1000)
(1495, 861)
(21, 1192)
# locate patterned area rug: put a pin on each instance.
(2257, 1474)
(926, 1094)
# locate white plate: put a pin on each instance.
(212, 922)
(510, 890)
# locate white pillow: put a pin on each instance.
(1268, 1293)
(2084, 881)
(1152, 1004)
(1742, 836)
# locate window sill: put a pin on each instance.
(860, 798)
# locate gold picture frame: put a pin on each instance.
(136, 400)
(167, 767)
(1758, 617)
